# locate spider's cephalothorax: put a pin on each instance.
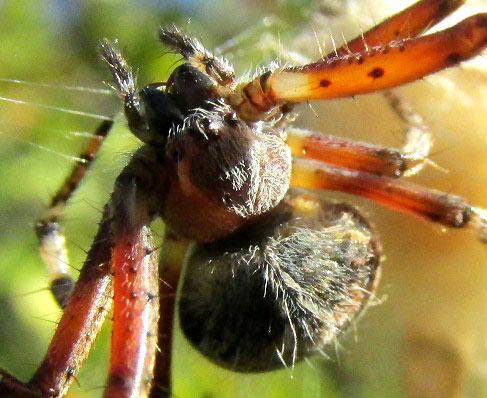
(277, 279)
(209, 160)
(275, 273)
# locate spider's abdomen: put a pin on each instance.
(282, 288)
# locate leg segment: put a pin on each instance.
(122, 248)
(88, 302)
(342, 152)
(170, 266)
(440, 207)
(380, 67)
(417, 136)
(80, 323)
(406, 24)
(125, 84)
(409, 23)
(52, 243)
(136, 309)
(375, 68)
(193, 51)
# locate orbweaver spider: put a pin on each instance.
(239, 206)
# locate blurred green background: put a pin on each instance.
(426, 336)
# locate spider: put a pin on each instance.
(216, 165)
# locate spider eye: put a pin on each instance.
(190, 88)
(281, 289)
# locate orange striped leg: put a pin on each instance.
(135, 315)
(79, 325)
(406, 24)
(375, 68)
(409, 23)
(51, 239)
(170, 266)
(81, 321)
(379, 67)
(443, 208)
(121, 247)
(360, 156)
(135, 291)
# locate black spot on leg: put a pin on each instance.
(324, 83)
(360, 60)
(150, 296)
(453, 59)
(69, 372)
(70, 375)
(61, 288)
(376, 73)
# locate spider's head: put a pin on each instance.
(204, 152)
(165, 106)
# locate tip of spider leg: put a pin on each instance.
(479, 223)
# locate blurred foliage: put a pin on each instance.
(434, 282)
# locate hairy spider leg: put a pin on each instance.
(363, 156)
(55, 256)
(406, 24)
(82, 318)
(343, 152)
(171, 259)
(409, 23)
(440, 207)
(218, 68)
(52, 244)
(417, 137)
(121, 254)
(382, 67)
(135, 291)
(376, 68)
